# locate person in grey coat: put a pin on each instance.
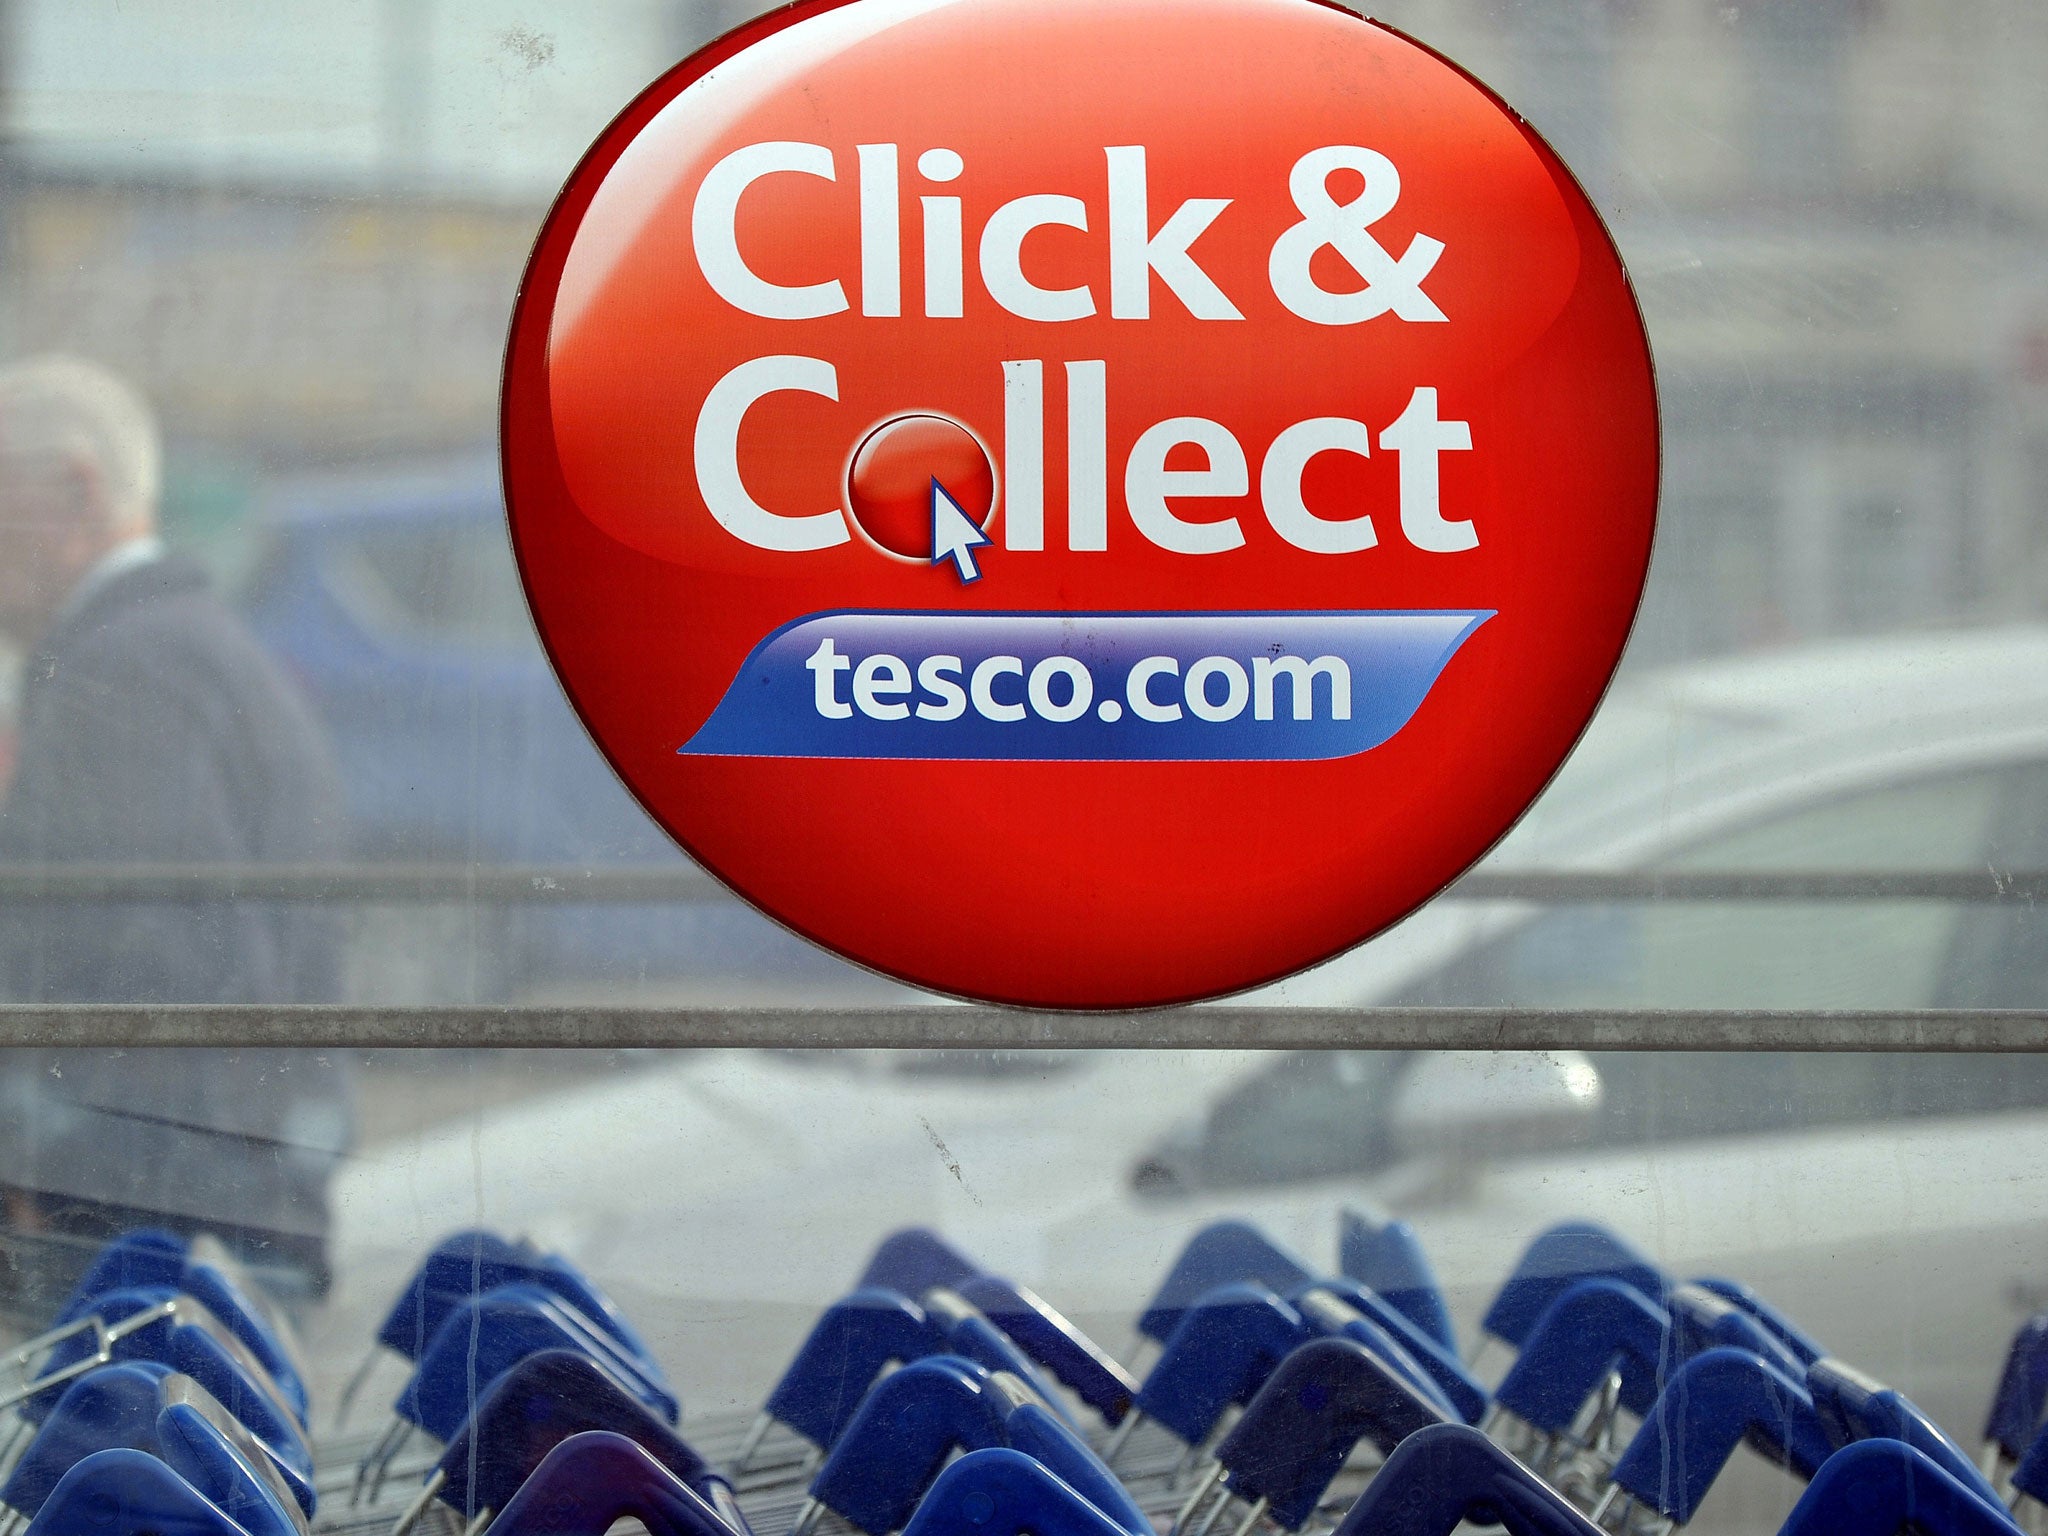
(151, 728)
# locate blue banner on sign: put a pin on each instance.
(1090, 687)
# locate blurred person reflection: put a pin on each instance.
(152, 729)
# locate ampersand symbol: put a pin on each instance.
(1390, 284)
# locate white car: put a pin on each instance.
(1915, 753)
(1895, 1205)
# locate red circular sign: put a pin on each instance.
(1083, 503)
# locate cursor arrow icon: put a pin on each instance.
(955, 536)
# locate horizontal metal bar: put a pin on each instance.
(359, 883)
(373, 883)
(959, 1026)
(1584, 885)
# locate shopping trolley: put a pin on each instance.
(1222, 1344)
(1211, 1345)
(869, 1346)
(137, 1407)
(1658, 1484)
(936, 1399)
(1696, 1367)
(511, 1372)
(914, 1420)
(1704, 1367)
(160, 1328)
(480, 1338)
(522, 1416)
(196, 1483)
(1446, 1475)
(462, 1266)
(1225, 1253)
(136, 1281)
(1385, 1254)
(916, 1296)
(1438, 1474)
(165, 1394)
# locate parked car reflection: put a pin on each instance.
(394, 600)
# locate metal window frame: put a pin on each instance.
(380, 883)
(948, 1026)
(939, 1025)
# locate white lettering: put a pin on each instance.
(1138, 684)
(942, 282)
(881, 232)
(826, 664)
(935, 676)
(1280, 486)
(1135, 253)
(1418, 437)
(1389, 284)
(1061, 689)
(981, 686)
(1080, 689)
(1002, 258)
(1088, 455)
(942, 241)
(878, 679)
(1148, 482)
(716, 242)
(1236, 689)
(717, 455)
(1024, 454)
(1301, 677)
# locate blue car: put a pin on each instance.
(394, 602)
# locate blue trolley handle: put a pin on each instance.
(128, 1490)
(1557, 1260)
(1774, 1322)
(1002, 1492)
(1876, 1487)
(848, 1347)
(908, 1425)
(1448, 1474)
(1225, 1346)
(1598, 1338)
(1054, 1343)
(1284, 1452)
(1716, 1401)
(1387, 1256)
(1222, 1253)
(593, 1480)
(913, 1261)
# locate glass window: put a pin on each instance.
(1782, 954)
(285, 238)
(450, 584)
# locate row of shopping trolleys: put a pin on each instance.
(1262, 1396)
